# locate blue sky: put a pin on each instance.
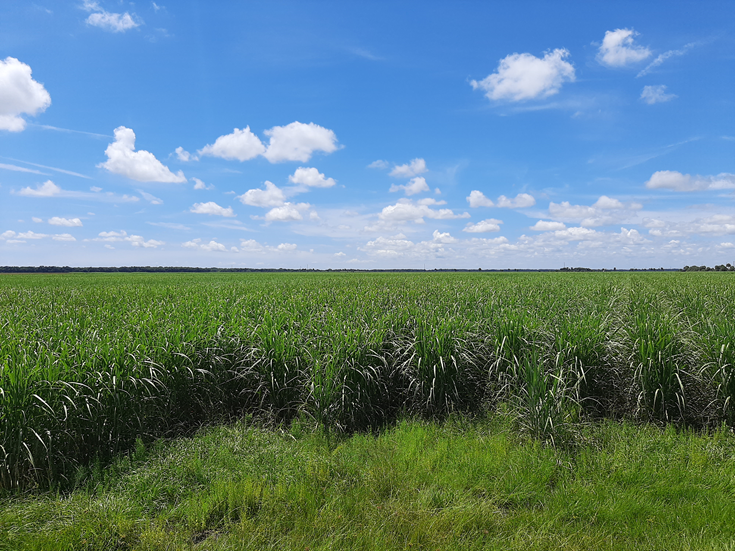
(367, 135)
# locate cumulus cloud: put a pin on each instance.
(618, 49)
(676, 181)
(605, 211)
(212, 246)
(19, 95)
(544, 225)
(137, 165)
(520, 201)
(408, 211)
(414, 168)
(31, 235)
(252, 246)
(491, 224)
(212, 208)
(113, 22)
(444, 238)
(69, 222)
(241, 145)
(311, 177)
(478, 199)
(288, 212)
(198, 184)
(63, 237)
(298, 142)
(122, 236)
(656, 94)
(414, 186)
(47, 189)
(184, 155)
(524, 76)
(271, 196)
(717, 224)
(379, 164)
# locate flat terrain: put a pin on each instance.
(384, 411)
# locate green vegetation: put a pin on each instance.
(367, 411)
(90, 363)
(455, 485)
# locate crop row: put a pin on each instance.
(90, 363)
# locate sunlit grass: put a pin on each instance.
(89, 364)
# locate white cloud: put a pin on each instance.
(241, 145)
(184, 155)
(212, 208)
(406, 211)
(676, 181)
(664, 56)
(31, 235)
(286, 247)
(522, 200)
(605, 211)
(575, 234)
(198, 184)
(544, 225)
(37, 220)
(137, 165)
(656, 94)
(605, 202)
(379, 164)
(491, 224)
(414, 168)
(212, 246)
(525, 76)
(443, 238)
(298, 142)
(617, 49)
(19, 95)
(47, 189)
(69, 222)
(113, 22)
(288, 212)
(63, 237)
(122, 236)
(152, 199)
(478, 199)
(9, 234)
(414, 186)
(16, 168)
(95, 189)
(311, 177)
(271, 196)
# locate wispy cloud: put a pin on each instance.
(61, 170)
(664, 56)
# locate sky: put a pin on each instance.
(367, 135)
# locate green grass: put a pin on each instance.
(458, 484)
(91, 363)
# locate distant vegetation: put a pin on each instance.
(718, 268)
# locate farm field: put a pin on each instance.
(367, 411)
(90, 363)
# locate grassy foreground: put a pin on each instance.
(455, 485)
(89, 363)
